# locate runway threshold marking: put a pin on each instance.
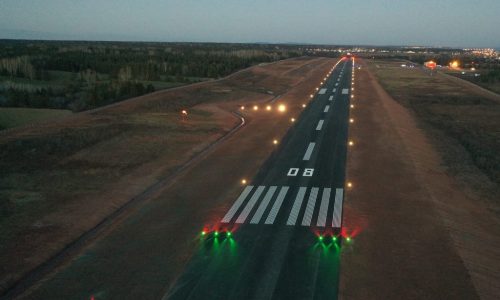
(337, 208)
(266, 196)
(277, 205)
(345, 91)
(229, 215)
(320, 124)
(306, 221)
(309, 151)
(294, 214)
(323, 209)
(246, 211)
(322, 91)
(327, 108)
(263, 205)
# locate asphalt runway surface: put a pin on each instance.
(282, 237)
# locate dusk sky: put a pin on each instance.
(462, 23)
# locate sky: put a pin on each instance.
(452, 23)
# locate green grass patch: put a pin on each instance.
(14, 117)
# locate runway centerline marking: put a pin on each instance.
(330, 99)
(320, 124)
(327, 108)
(345, 91)
(309, 151)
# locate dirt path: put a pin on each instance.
(417, 235)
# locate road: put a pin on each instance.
(282, 226)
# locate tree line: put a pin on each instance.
(85, 75)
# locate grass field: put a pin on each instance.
(14, 117)
(59, 180)
(455, 113)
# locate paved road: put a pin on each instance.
(274, 250)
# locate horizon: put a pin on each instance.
(452, 24)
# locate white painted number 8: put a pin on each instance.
(308, 172)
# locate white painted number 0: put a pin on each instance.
(293, 172)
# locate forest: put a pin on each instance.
(80, 75)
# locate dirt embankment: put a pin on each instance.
(60, 179)
(420, 232)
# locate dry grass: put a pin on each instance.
(60, 179)
(452, 111)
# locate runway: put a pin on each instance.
(281, 237)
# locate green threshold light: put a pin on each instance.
(228, 234)
(216, 233)
(320, 238)
(334, 238)
(203, 232)
(348, 239)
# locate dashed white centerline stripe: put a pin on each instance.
(327, 108)
(334, 90)
(323, 209)
(230, 213)
(244, 214)
(337, 208)
(320, 124)
(337, 84)
(292, 219)
(263, 205)
(309, 151)
(276, 206)
(306, 221)
(330, 99)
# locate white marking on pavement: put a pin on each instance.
(327, 108)
(337, 84)
(306, 221)
(309, 151)
(322, 91)
(293, 172)
(337, 208)
(345, 91)
(246, 211)
(331, 98)
(292, 219)
(323, 209)
(320, 124)
(229, 215)
(334, 90)
(276, 206)
(263, 205)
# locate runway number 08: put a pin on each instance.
(295, 172)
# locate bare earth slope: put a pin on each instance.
(419, 235)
